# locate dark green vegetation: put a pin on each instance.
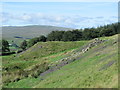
(5, 46)
(33, 41)
(95, 68)
(23, 45)
(85, 34)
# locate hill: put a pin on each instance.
(82, 64)
(20, 33)
(9, 32)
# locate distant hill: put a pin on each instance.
(10, 32)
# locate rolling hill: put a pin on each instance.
(9, 32)
(20, 33)
(81, 64)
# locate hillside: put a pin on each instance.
(83, 64)
(9, 32)
(20, 33)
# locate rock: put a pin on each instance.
(39, 46)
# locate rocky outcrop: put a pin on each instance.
(75, 56)
(92, 44)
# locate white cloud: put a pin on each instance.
(75, 21)
(4, 17)
(26, 17)
(59, 18)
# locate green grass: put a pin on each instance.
(85, 72)
(51, 52)
(49, 48)
(88, 72)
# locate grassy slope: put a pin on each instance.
(35, 56)
(85, 72)
(93, 70)
(43, 49)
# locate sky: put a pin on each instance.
(60, 0)
(63, 14)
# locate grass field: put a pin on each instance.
(96, 68)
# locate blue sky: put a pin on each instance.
(64, 14)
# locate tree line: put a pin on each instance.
(83, 34)
(73, 35)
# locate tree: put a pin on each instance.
(55, 36)
(68, 36)
(42, 38)
(107, 32)
(23, 45)
(33, 41)
(76, 35)
(87, 34)
(5, 46)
